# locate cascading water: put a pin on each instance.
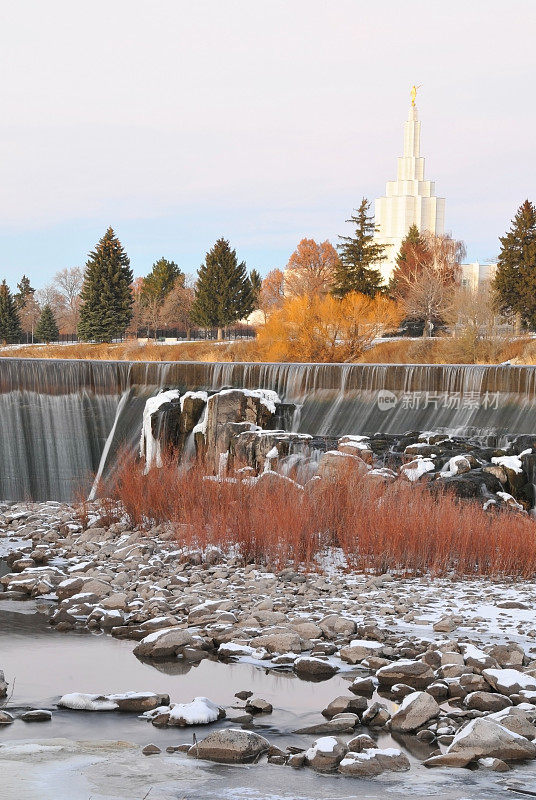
(63, 420)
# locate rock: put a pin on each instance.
(296, 760)
(486, 701)
(334, 625)
(244, 694)
(6, 718)
(312, 668)
(516, 720)
(151, 750)
(509, 681)
(484, 738)
(359, 649)
(494, 764)
(343, 724)
(507, 655)
(447, 624)
(230, 746)
(363, 686)
(259, 706)
(335, 465)
(284, 642)
(164, 643)
(372, 762)
(361, 742)
(476, 483)
(342, 704)
(36, 715)
(415, 673)
(3, 685)
(376, 716)
(326, 754)
(416, 710)
(139, 702)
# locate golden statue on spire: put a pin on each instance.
(414, 93)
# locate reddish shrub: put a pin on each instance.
(379, 526)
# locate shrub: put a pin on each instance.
(396, 527)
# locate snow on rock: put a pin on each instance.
(268, 398)
(87, 702)
(417, 468)
(509, 462)
(455, 466)
(193, 396)
(201, 711)
(509, 681)
(238, 650)
(150, 447)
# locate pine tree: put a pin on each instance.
(106, 293)
(26, 290)
(412, 253)
(514, 283)
(47, 328)
(223, 293)
(358, 255)
(256, 286)
(10, 330)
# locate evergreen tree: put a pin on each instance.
(10, 330)
(256, 286)
(223, 293)
(514, 283)
(47, 328)
(358, 254)
(412, 253)
(26, 290)
(106, 293)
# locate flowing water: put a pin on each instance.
(58, 417)
(101, 664)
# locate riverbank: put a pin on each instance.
(203, 624)
(399, 350)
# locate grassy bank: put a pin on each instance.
(448, 350)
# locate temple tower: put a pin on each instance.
(410, 200)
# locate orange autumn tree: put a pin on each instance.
(311, 268)
(324, 329)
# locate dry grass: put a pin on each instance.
(130, 350)
(399, 351)
(380, 527)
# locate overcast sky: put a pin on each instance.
(177, 122)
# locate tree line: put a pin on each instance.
(103, 301)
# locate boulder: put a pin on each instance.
(342, 704)
(3, 685)
(164, 643)
(416, 710)
(372, 762)
(416, 674)
(230, 746)
(326, 754)
(283, 642)
(359, 649)
(335, 465)
(486, 701)
(486, 738)
(509, 681)
(36, 715)
(313, 668)
(334, 625)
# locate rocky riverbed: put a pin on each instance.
(400, 674)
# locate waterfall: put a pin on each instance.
(64, 421)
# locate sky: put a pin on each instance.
(263, 121)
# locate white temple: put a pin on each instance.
(410, 200)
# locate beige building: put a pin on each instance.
(409, 200)
(476, 275)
